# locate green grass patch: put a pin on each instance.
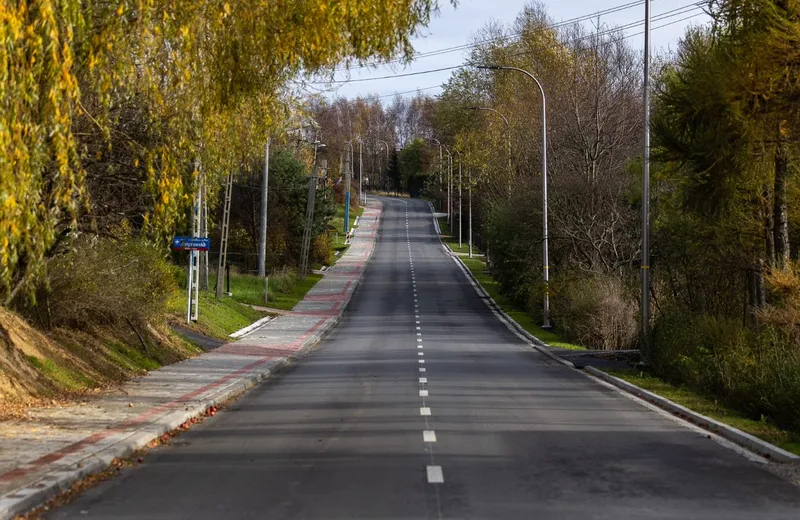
(763, 429)
(287, 299)
(216, 318)
(63, 376)
(131, 358)
(478, 269)
(285, 290)
(451, 242)
(337, 222)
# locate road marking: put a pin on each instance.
(420, 353)
(419, 340)
(419, 328)
(419, 346)
(424, 411)
(423, 380)
(428, 436)
(423, 393)
(419, 333)
(417, 320)
(422, 370)
(435, 475)
(422, 361)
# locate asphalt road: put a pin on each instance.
(342, 433)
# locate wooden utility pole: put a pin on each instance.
(223, 242)
(312, 194)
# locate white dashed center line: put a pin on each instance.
(435, 475)
(434, 472)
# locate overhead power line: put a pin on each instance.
(358, 80)
(447, 50)
(409, 91)
(688, 8)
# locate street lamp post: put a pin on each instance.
(449, 179)
(450, 192)
(545, 249)
(469, 194)
(441, 167)
(360, 172)
(347, 176)
(384, 143)
(459, 198)
(645, 302)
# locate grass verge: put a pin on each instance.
(763, 429)
(451, 242)
(478, 269)
(216, 318)
(337, 222)
(249, 289)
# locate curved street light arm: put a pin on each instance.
(545, 239)
(487, 109)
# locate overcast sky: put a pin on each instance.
(454, 27)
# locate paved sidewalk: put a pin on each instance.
(45, 455)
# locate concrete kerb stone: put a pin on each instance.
(725, 431)
(99, 456)
(535, 342)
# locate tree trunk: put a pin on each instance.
(769, 223)
(780, 210)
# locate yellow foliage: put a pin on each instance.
(783, 287)
(212, 79)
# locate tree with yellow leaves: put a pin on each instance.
(108, 105)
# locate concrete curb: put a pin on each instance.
(253, 326)
(97, 457)
(725, 431)
(508, 320)
(535, 342)
(93, 460)
(435, 221)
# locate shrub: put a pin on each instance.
(105, 281)
(322, 249)
(595, 311)
(756, 371)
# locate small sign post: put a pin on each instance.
(193, 245)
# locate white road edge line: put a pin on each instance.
(746, 453)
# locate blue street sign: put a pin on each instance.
(191, 244)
